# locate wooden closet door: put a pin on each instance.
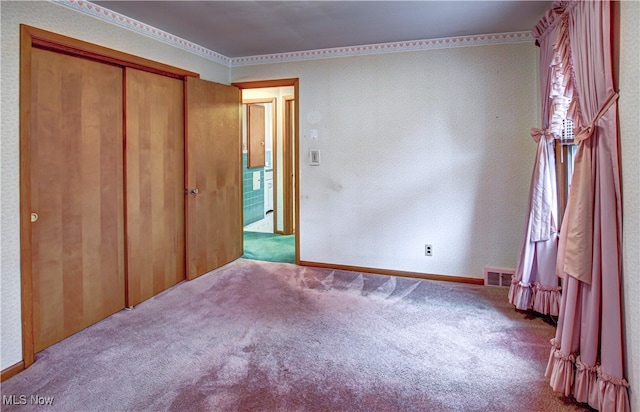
(76, 194)
(154, 184)
(214, 149)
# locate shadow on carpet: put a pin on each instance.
(269, 247)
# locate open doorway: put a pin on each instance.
(270, 164)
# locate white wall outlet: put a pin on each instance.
(428, 250)
(314, 157)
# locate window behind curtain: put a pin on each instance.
(565, 155)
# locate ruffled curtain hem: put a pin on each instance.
(586, 390)
(534, 296)
(614, 395)
(586, 383)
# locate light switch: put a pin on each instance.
(314, 157)
(256, 180)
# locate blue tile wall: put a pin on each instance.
(252, 200)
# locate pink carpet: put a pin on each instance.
(277, 337)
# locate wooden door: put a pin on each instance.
(214, 202)
(76, 148)
(154, 184)
(255, 135)
(288, 156)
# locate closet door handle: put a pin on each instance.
(193, 191)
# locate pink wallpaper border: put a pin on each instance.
(363, 50)
(118, 19)
(413, 45)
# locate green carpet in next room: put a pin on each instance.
(269, 247)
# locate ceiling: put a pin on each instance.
(250, 28)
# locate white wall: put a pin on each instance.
(59, 19)
(629, 107)
(417, 147)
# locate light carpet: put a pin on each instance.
(277, 337)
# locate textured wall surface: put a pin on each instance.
(629, 106)
(52, 17)
(417, 147)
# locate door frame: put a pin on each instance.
(288, 174)
(263, 84)
(31, 37)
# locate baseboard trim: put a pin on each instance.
(390, 272)
(11, 371)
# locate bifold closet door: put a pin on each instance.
(155, 216)
(76, 179)
(214, 149)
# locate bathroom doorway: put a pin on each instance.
(270, 165)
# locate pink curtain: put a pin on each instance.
(586, 359)
(535, 284)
